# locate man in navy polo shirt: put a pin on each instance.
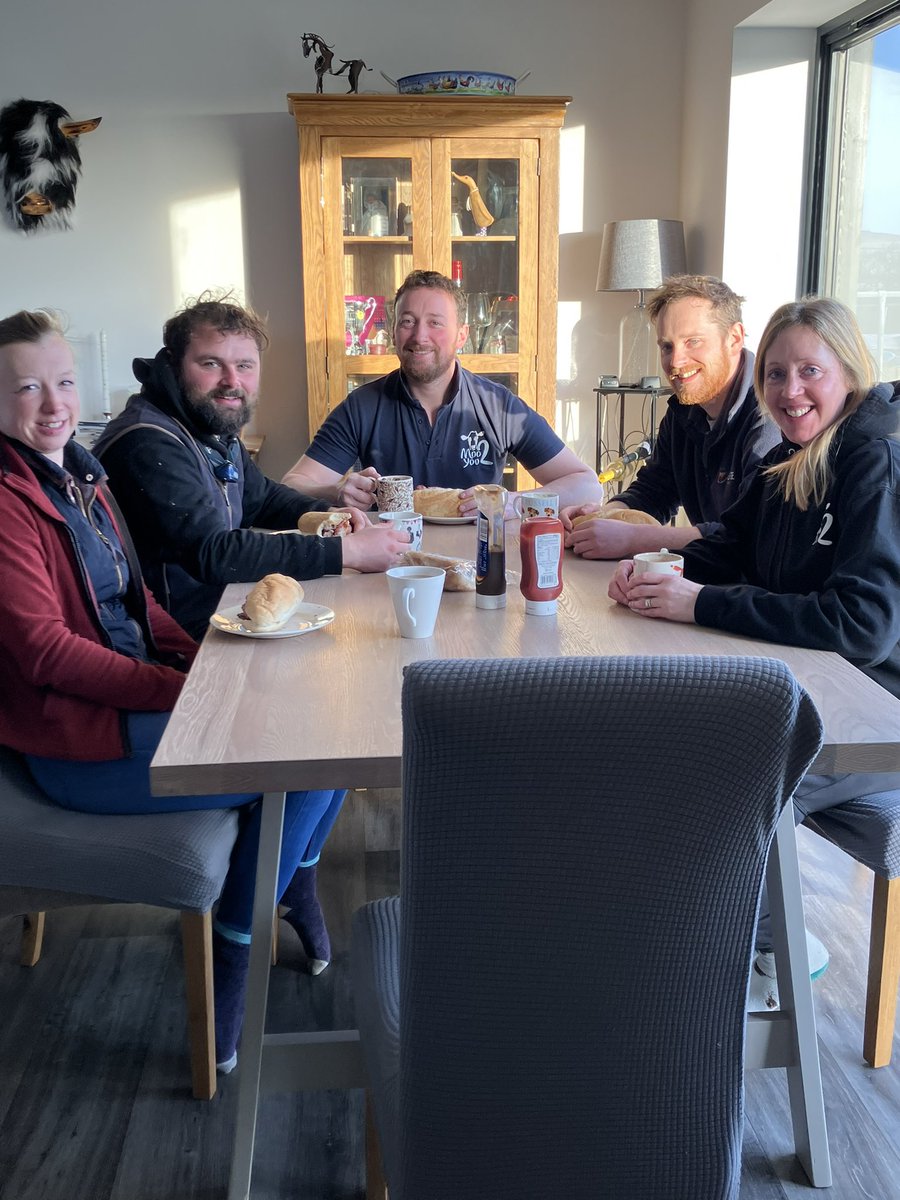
(433, 419)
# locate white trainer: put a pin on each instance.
(763, 995)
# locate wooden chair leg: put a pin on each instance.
(376, 1184)
(32, 938)
(884, 972)
(196, 941)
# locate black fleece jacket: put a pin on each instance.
(192, 532)
(827, 578)
(704, 468)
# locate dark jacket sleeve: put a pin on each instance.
(154, 479)
(853, 611)
(270, 505)
(654, 489)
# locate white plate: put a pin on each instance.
(448, 520)
(307, 618)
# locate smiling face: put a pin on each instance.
(698, 355)
(427, 335)
(804, 385)
(220, 377)
(39, 403)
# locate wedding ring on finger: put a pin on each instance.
(647, 603)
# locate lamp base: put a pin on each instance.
(638, 352)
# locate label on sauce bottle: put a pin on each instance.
(541, 546)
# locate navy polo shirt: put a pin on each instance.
(382, 425)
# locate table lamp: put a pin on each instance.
(637, 256)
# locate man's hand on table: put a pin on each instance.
(671, 597)
(600, 538)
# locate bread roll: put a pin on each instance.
(633, 516)
(325, 524)
(436, 501)
(272, 602)
(460, 572)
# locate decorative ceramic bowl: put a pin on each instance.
(456, 83)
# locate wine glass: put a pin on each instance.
(479, 316)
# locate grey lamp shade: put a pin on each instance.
(639, 255)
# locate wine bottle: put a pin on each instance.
(618, 466)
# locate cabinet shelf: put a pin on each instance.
(354, 239)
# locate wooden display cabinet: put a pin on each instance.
(378, 199)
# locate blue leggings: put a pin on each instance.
(122, 786)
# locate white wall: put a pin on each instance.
(771, 84)
(193, 106)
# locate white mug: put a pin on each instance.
(528, 505)
(416, 593)
(408, 522)
(658, 562)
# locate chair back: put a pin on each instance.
(584, 843)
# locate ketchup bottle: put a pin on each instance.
(541, 547)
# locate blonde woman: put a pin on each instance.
(810, 554)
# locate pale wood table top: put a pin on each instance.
(323, 709)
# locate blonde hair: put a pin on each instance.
(805, 476)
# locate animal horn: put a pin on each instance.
(73, 129)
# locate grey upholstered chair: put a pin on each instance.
(53, 858)
(556, 1003)
(868, 830)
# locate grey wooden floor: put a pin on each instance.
(94, 1100)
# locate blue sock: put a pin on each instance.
(230, 962)
(306, 917)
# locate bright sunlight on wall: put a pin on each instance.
(765, 184)
(207, 245)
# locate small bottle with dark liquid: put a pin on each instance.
(490, 562)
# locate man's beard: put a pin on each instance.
(212, 417)
(714, 379)
(426, 372)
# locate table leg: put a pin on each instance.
(251, 1048)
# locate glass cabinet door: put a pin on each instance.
(485, 214)
(376, 211)
(465, 207)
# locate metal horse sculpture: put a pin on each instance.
(324, 56)
(357, 66)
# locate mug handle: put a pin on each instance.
(408, 594)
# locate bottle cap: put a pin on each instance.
(540, 608)
(490, 601)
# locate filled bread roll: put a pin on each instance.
(325, 524)
(272, 602)
(459, 572)
(633, 516)
(436, 501)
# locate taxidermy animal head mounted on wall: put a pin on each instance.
(39, 163)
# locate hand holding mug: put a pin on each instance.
(357, 489)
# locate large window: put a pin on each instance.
(854, 247)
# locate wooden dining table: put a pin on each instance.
(322, 710)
